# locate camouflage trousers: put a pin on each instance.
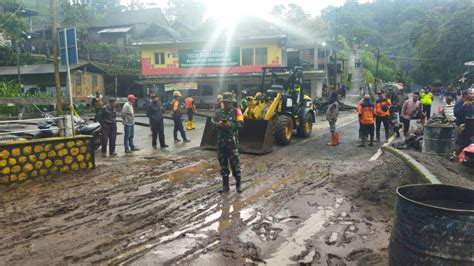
(226, 155)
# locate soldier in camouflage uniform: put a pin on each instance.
(227, 119)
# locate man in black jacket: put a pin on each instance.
(155, 112)
(108, 120)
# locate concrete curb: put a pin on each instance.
(425, 175)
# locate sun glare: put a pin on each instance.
(229, 12)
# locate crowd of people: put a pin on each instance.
(106, 116)
(388, 105)
(228, 118)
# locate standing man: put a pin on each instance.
(426, 100)
(442, 91)
(128, 119)
(190, 110)
(244, 103)
(367, 119)
(218, 103)
(382, 113)
(331, 117)
(226, 120)
(108, 120)
(464, 109)
(448, 108)
(155, 112)
(411, 110)
(343, 91)
(97, 103)
(177, 118)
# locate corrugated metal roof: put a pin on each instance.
(39, 69)
(115, 30)
(151, 41)
(133, 17)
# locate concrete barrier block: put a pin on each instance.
(22, 161)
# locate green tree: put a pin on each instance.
(297, 22)
(435, 37)
(189, 11)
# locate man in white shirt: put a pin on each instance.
(128, 120)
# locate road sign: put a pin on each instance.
(71, 42)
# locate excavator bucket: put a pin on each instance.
(255, 136)
(209, 136)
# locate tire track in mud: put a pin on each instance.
(89, 210)
(118, 209)
(278, 170)
(268, 191)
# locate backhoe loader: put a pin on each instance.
(277, 110)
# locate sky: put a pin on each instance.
(253, 6)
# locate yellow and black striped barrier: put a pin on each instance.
(28, 159)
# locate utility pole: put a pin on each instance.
(54, 32)
(335, 56)
(377, 69)
(18, 61)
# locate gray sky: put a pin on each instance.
(258, 6)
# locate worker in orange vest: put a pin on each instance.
(382, 114)
(190, 109)
(367, 120)
(177, 118)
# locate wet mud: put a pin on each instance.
(303, 204)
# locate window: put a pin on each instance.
(247, 56)
(205, 90)
(159, 58)
(94, 81)
(261, 56)
(78, 83)
(322, 53)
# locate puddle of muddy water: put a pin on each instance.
(182, 175)
(295, 244)
(227, 216)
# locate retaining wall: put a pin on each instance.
(28, 159)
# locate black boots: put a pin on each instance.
(225, 185)
(371, 143)
(237, 184)
(362, 142)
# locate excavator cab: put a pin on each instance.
(273, 113)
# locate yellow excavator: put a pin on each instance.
(273, 114)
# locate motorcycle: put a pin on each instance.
(49, 128)
(394, 121)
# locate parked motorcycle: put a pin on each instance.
(394, 121)
(49, 128)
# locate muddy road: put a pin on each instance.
(305, 203)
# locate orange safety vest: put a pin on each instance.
(176, 107)
(359, 106)
(367, 114)
(238, 115)
(189, 103)
(378, 107)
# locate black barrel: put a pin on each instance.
(433, 225)
(438, 139)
